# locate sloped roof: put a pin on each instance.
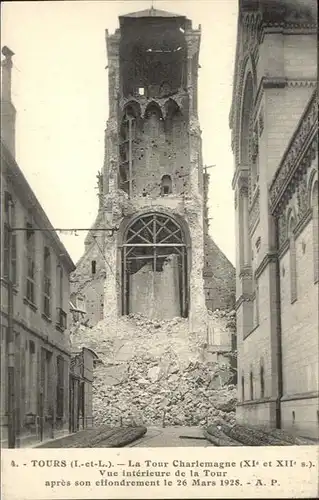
(151, 13)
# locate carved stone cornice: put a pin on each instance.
(240, 178)
(269, 258)
(301, 83)
(283, 248)
(297, 158)
(288, 29)
(245, 297)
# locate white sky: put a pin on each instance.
(60, 91)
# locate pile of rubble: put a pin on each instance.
(156, 373)
(146, 394)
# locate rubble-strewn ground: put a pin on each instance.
(102, 437)
(225, 434)
(155, 372)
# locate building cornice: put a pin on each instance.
(12, 171)
(240, 177)
(270, 257)
(300, 395)
(244, 297)
(254, 402)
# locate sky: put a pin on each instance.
(60, 91)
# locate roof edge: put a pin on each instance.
(7, 156)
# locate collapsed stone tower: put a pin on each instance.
(155, 260)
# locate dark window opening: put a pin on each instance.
(47, 282)
(9, 268)
(262, 382)
(31, 347)
(166, 185)
(251, 385)
(242, 388)
(30, 244)
(61, 319)
(93, 266)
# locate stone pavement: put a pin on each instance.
(157, 437)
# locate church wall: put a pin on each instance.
(301, 416)
(89, 286)
(256, 414)
(300, 56)
(300, 320)
(291, 56)
(284, 108)
(219, 278)
(255, 348)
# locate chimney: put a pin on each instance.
(8, 111)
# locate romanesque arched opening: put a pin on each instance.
(127, 135)
(246, 114)
(154, 268)
(166, 185)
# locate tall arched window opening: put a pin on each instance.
(245, 158)
(127, 138)
(154, 268)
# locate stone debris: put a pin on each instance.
(101, 437)
(155, 373)
(233, 434)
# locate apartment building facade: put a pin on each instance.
(40, 399)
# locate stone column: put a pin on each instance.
(110, 309)
(245, 228)
(111, 133)
(197, 309)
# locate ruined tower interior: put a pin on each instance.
(159, 261)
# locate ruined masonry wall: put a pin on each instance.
(165, 304)
(219, 278)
